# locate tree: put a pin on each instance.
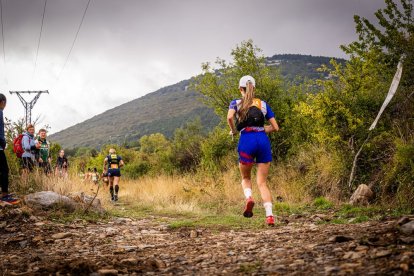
(220, 86)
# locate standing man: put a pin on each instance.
(4, 167)
(112, 165)
(43, 153)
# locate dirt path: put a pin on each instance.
(33, 246)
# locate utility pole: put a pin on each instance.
(28, 106)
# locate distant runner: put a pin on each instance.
(94, 176)
(61, 165)
(254, 145)
(43, 153)
(88, 174)
(112, 165)
(4, 167)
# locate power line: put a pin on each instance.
(2, 35)
(2, 30)
(73, 44)
(40, 36)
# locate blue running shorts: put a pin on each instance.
(114, 172)
(254, 147)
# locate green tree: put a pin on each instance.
(186, 146)
(220, 86)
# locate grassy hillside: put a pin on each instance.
(167, 109)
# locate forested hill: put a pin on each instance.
(167, 109)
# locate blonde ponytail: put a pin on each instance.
(246, 102)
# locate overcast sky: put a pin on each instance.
(128, 48)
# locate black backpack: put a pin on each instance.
(254, 118)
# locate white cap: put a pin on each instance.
(245, 79)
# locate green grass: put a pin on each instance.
(65, 217)
(348, 210)
(226, 217)
(220, 222)
(322, 203)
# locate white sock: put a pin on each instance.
(268, 208)
(247, 192)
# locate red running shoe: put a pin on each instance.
(248, 210)
(10, 199)
(270, 220)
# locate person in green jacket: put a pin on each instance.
(43, 153)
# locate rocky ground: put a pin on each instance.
(32, 245)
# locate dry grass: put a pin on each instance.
(199, 193)
(202, 192)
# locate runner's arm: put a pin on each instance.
(230, 120)
(105, 165)
(121, 163)
(272, 127)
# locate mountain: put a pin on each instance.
(168, 108)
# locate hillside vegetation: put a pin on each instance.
(169, 108)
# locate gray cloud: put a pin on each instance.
(128, 48)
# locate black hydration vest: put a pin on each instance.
(113, 161)
(254, 118)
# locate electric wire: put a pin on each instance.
(40, 37)
(2, 36)
(73, 43)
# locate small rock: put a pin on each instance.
(59, 236)
(361, 248)
(351, 220)
(3, 224)
(23, 244)
(352, 255)
(404, 267)
(340, 239)
(37, 238)
(337, 249)
(403, 220)
(15, 212)
(129, 248)
(129, 261)
(317, 219)
(407, 240)
(33, 219)
(332, 269)
(382, 253)
(408, 228)
(108, 272)
(193, 234)
(361, 196)
(160, 264)
(110, 231)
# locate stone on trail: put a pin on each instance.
(59, 236)
(49, 200)
(352, 255)
(86, 200)
(340, 239)
(129, 261)
(408, 228)
(382, 253)
(193, 234)
(107, 272)
(403, 220)
(407, 240)
(361, 196)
